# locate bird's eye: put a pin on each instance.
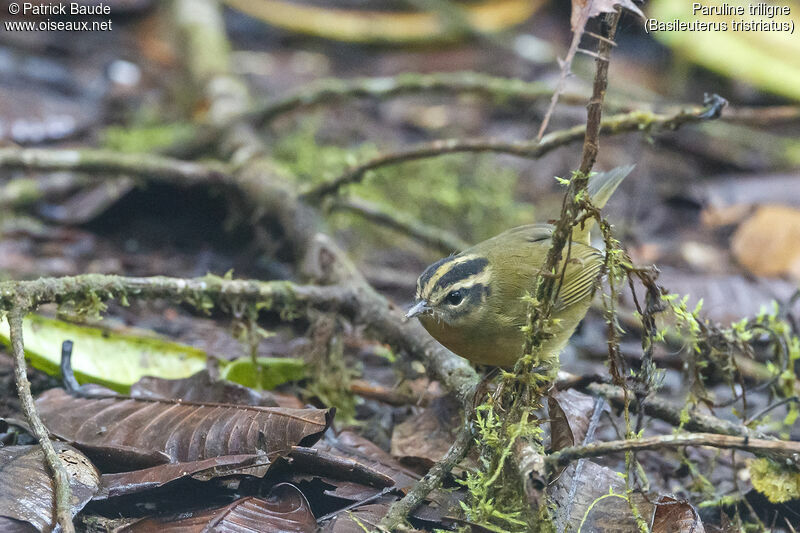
(454, 298)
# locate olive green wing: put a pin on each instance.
(517, 257)
(582, 270)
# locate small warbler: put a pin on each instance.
(472, 302)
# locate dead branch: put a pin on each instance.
(400, 509)
(62, 494)
(668, 412)
(763, 116)
(144, 166)
(435, 238)
(331, 91)
(617, 124)
(784, 451)
(595, 107)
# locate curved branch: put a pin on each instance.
(328, 91)
(614, 125)
(62, 493)
(399, 510)
(436, 238)
(778, 449)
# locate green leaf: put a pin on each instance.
(101, 356)
(274, 371)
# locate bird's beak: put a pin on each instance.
(419, 308)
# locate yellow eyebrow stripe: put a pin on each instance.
(443, 269)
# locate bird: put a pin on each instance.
(473, 302)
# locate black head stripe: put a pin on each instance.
(426, 276)
(461, 271)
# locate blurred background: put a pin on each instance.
(716, 205)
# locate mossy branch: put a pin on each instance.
(203, 292)
(400, 509)
(644, 121)
(331, 91)
(675, 414)
(62, 493)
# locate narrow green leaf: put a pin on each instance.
(274, 371)
(104, 357)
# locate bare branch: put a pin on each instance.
(436, 238)
(61, 489)
(400, 509)
(595, 107)
(145, 166)
(331, 91)
(671, 413)
(779, 449)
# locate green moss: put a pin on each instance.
(145, 138)
(466, 194)
(778, 483)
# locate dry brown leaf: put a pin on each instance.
(425, 438)
(675, 516)
(768, 243)
(200, 387)
(26, 487)
(286, 510)
(125, 483)
(173, 431)
(573, 409)
(580, 500)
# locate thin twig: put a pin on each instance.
(436, 238)
(566, 65)
(784, 450)
(331, 91)
(146, 166)
(400, 509)
(595, 107)
(61, 488)
(616, 124)
(675, 415)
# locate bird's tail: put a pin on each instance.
(600, 187)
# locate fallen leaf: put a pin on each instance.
(570, 416)
(768, 243)
(100, 356)
(201, 388)
(426, 437)
(675, 516)
(273, 371)
(125, 483)
(26, 487)
(115, 427)
(358, 520)
(582, 495)
(284, 510)
(364, 25)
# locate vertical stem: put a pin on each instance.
(61, 488)
(595, 108)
